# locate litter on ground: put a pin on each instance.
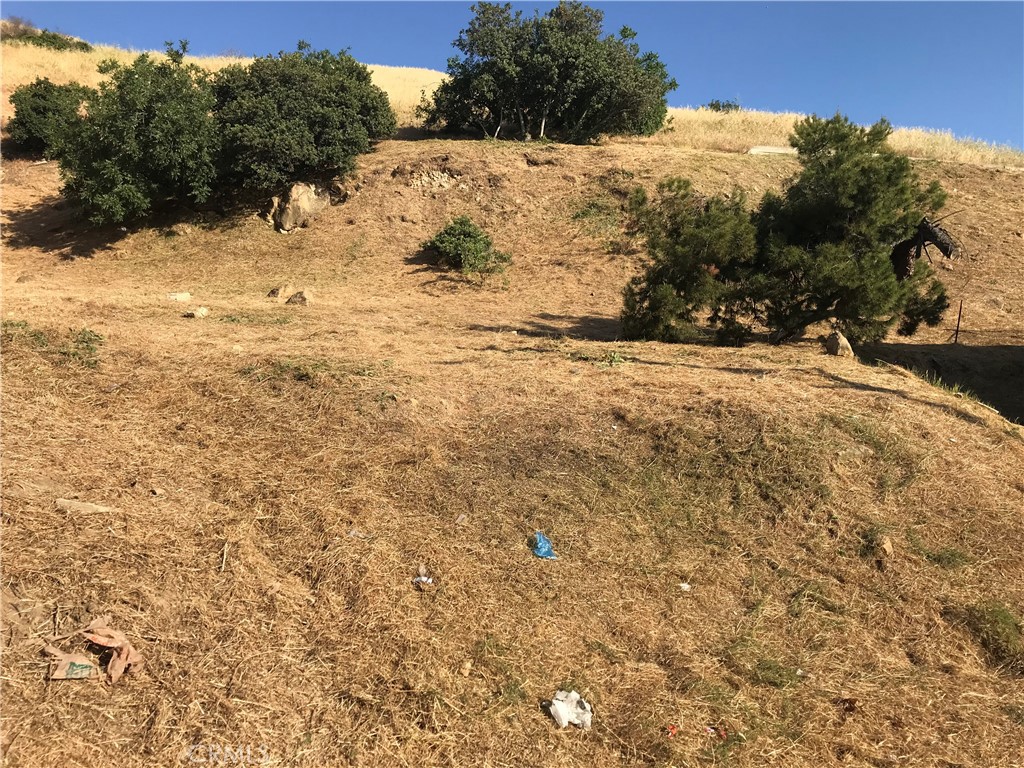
(542, 547)
(70, 666)
(568, 707)
(77, 666)
(423, 577)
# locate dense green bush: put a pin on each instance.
(43, 112)
(820, 252)
(302, 115)
(464, 246)
(150, 138)
(550, 76)
(167, 132)
(698, 249)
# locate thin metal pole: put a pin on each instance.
(958, 316)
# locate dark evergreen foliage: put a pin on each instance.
(552, 76)
(730, 105)
(301, 115)
(464, 246)
(820, 253)
(167, 132)
(43, 112)
(149, 138)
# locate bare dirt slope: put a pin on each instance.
(311, 458)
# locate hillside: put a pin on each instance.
(688, 128)
(275, 476)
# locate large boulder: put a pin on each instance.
(297, 207)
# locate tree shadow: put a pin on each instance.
(55, 225)
(970, 418)
(993, 373)
(546, 325)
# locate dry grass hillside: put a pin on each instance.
(688, 128)
(274, 476)
(22, 64)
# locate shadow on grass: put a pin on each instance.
(56, 226)
(993, 373)
(546, 325)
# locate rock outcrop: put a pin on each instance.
(299, 206)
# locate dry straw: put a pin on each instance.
(700, 129)
(312, 458)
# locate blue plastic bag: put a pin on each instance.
(542, 547)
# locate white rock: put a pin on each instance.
(84, 507)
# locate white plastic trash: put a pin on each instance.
(568, 707)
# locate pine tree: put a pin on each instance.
(817, 252)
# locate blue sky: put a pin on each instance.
(955, 66)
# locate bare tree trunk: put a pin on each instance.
(543, 121)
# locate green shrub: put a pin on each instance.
(817, 252)
(20, 30)
(464, 246)
(730, 105)
(56, 41)
(697, 247)
(43, 113)
(149, 139)
(297, 116)
(551, 76)
(999, 632)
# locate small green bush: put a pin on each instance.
(297, 116)
(20, 30)
(730, 105)
(464, 246)
(56, 41)
(43, 112)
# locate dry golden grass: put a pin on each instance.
(404, 86)
(22, 64)
(313, 457)
(739, 131)
(698, 129)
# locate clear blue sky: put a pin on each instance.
(956, 66)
